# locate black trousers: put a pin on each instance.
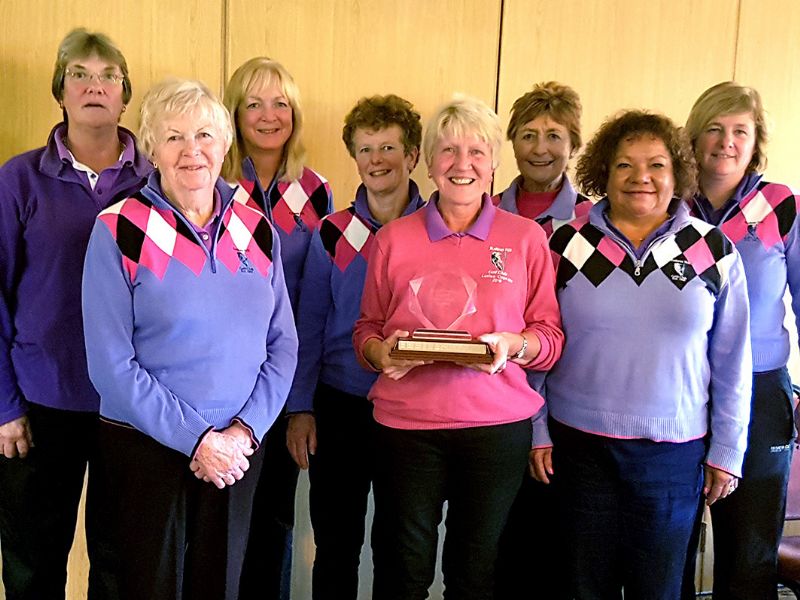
(178, 538)
(533, 539)
(478, 471)
(268, 561)
(39, 497)
(341, 474)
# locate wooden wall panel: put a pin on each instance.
(158, 39)
(616, 54)
(768, 58)
(341, 50)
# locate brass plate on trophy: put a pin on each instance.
(442, 345)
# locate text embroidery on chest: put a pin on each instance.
(344, 236)
(498, 259)
(150, 237)
(688, 254)
(300, 201)
(766, 215)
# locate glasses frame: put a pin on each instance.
(84, 77)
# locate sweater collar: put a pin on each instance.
(678, 210)
(437, 230)
(361, 204)
(561, 209)
(52, 162)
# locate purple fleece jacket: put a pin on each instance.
(47, 210)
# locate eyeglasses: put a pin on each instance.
(83, 77)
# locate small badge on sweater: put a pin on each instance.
(498, 257)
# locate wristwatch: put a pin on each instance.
(522, 350)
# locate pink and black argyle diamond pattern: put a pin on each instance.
(151, 237)
(767, 214)
(245, 240)
(302, 200)
(692, 252)
(345, 235)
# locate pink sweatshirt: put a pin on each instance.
(498, 275)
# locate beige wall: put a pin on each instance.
(617, 53)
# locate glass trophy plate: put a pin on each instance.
(441, 301)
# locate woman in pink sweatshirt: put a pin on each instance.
(448, 431)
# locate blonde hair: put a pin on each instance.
(464, 116)
(730, 98)
(257, 73)
(173, 97)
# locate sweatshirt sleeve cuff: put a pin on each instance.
(727, 459)
(253, 439)
(540, 437)
(362, 357)
(13, 412)
(544, 352)
(196, 447)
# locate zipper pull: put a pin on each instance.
(638, 270)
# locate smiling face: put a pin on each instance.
(92, 103)
(726, 145)
(265, 119)
(461, 168)
(382, 163)
(542, 148)
(189, 154)
(641, 180)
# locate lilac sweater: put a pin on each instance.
(658, 346)
(762, 220)
(181, 339)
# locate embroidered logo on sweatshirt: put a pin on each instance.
(244, 265)
(679, 266)
(498, 257)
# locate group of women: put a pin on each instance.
(193, 287)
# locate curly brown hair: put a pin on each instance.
(379, 112)
(594, 164)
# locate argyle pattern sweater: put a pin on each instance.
(762, 220)
(330, 298)
(181, 340)
(658, 347)
(294, 208)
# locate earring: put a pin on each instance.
(124, 107)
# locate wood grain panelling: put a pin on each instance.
(341, 50)
(158, 39)
(768, 58)
(617, 54)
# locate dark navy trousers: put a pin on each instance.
(748, 524)
(627, 509)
